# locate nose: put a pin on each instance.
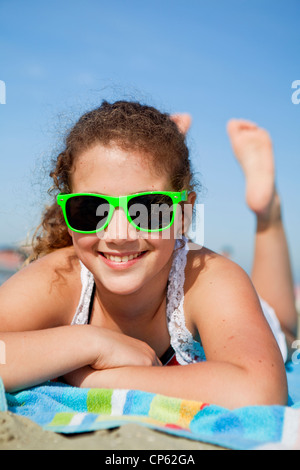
(119, 229)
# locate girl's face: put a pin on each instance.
(116, 172)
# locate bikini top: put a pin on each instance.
(187, 350)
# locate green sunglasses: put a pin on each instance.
(152, 211)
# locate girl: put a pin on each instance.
(114, 295)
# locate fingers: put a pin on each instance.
(158, 362)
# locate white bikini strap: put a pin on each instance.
(82, 313)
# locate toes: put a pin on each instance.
(183, 121)
(235, 125)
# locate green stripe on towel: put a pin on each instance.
(95, 404)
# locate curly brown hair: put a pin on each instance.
(129, 125)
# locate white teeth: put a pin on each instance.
(122, 259)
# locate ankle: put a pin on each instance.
(272, 217)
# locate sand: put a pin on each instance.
(18, 433)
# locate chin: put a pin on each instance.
(123, 286)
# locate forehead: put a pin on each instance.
(114, 171)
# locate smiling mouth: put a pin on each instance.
(122, 259)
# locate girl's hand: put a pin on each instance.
(118, 350)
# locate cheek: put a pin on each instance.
(163, 248)
(83, 242)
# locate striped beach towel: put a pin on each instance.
(63, 409)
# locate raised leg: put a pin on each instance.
(271, 272)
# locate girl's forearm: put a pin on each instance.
(32, 357)
(211, 382)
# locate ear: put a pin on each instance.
(187, 212)
(192, 198)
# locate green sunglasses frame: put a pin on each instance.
(122, 201)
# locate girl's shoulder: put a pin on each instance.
(202, 261)
(205, 265)
(210, 277)
(43, 294)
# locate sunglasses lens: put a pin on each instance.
(87, 213)
(151, 211)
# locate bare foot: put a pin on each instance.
(183, 121)
(252, 147)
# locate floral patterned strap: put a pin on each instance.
(186, 348)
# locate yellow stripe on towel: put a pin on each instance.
(188, 410)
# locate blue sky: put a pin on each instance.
(216, 59)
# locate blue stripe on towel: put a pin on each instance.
(3, 403)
